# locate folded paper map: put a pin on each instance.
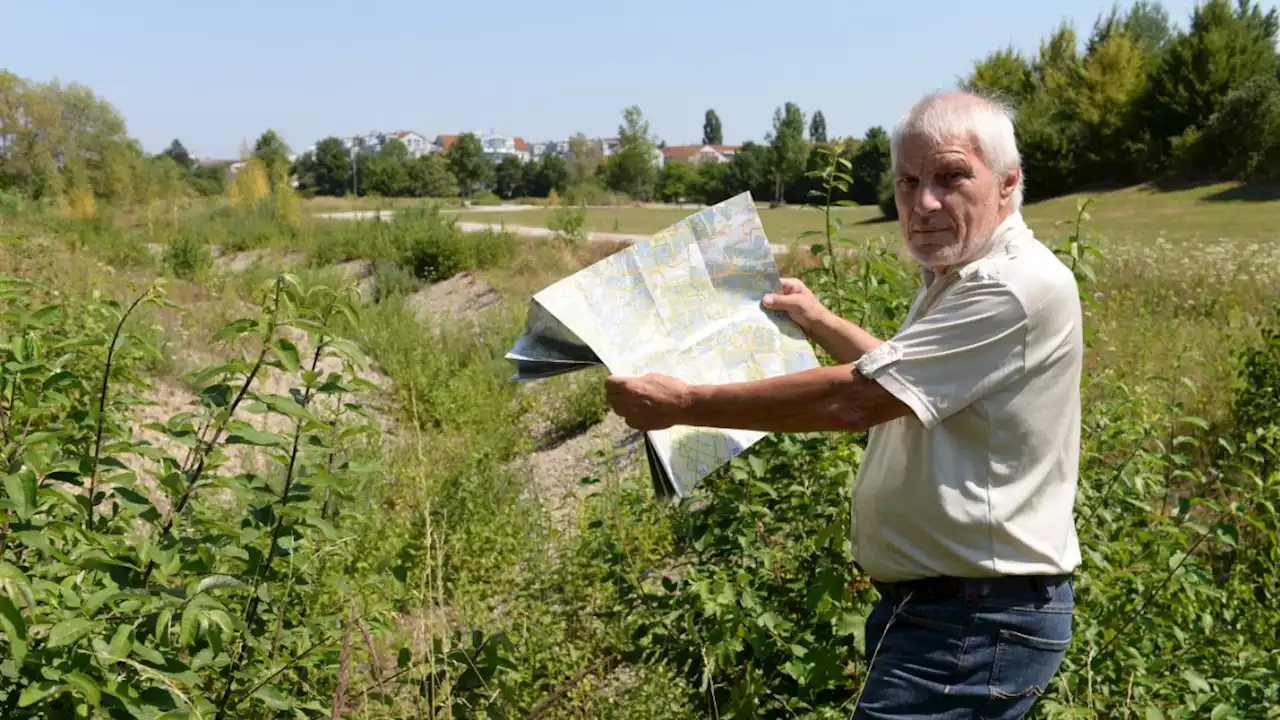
(684, 303)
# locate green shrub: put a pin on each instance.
(187, 256)
(1256, 406)
(570, 224)
(584, 404)
(11, 204)
(486, 198)
(441, 250)
(590, 192)
(213, 590)
(393, 279)
(885, 196)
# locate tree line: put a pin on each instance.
(1139, 100)
(1143, 101)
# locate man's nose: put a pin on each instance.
(927, 199)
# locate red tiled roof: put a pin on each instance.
(446, 140)
(521, 145)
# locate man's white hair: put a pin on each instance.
(985, 120)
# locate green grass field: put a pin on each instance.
(1210, 213)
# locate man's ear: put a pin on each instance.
(1010, 183)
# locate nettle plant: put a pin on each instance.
(165, 579)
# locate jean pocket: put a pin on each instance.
(1024, 664)
(921, 620)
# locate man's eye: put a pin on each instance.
(908, 181)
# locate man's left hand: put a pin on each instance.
(648, 402)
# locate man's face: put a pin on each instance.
(948, 199)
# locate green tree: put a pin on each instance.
(547, 173)
(509, 177)
(387, 173)
(869, 164)
(631, 169)
(818, 127)
(1146, 23)
(179, 154)
(712, 132)
(749, 170)
(787, 149)
(710, 183)
(1223, 48)
(584, 158)
(468, 164)
(1005, 74)
(332, 165)
(1102, 100)
(1242, 139)
(429, 176)
(677, 181)
(271, 149)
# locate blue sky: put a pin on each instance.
(216, 75)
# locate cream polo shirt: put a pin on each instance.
(981, 479)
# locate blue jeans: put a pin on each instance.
(967, 656)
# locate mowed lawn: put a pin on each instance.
(1213, 213)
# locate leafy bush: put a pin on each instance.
(11, 203)
(393, 279)
(590, 192)
(486, 198)
(885, 196)
(144, 577)
(570, 224)
(187, 256)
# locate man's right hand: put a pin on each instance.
(843, 340)
(799, 302)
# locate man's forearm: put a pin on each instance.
(825, 398)
(843, 340)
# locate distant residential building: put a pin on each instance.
(497, 147)
(697, 154)
(416, 143)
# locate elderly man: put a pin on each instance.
(963, 507)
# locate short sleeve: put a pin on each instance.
(970, 344)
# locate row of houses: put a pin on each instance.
(497, 146)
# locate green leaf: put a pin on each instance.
(287, 353)
(348, 348)
(1198, 422)
(43, 316)
(1196, 682)
(21, 488)
(236, 327)
(846, 624)
(248, 435)
(273, 698)
(69, 631)
(1222, 711)
(1154, 713)
(330, 533)
(120, 643)
(85, 685)
(33, 694)
(15, 627)
(149, 654)
(214, 582)
(287, 406)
